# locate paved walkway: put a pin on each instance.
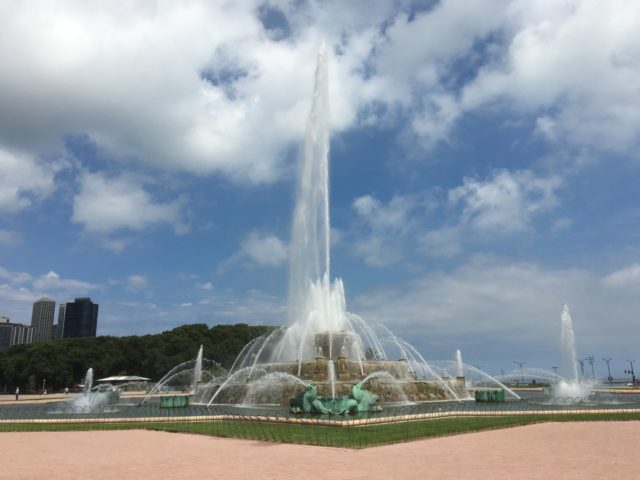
(587, 450)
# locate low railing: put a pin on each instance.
(393, 424)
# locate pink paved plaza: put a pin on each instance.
(587, 450)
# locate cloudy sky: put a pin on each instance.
(484, 165)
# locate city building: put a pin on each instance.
(42, 319)
(15, 334)
(78, 318)
(59, 328)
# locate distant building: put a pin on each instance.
(4, 319)
(42, 319)
(15, 334)
(78, 319)
(59, 328)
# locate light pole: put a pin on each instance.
(633, 375)
(581, 362)
(590, 360)
(609, 377)
(521, 372)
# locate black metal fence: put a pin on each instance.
(393, 424)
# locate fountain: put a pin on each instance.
(88, 381)
(197, 371)
(568, 382)
(324, 344)
(95, 396)
(197, 378)
(459, 365)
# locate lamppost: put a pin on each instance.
(581, 362)
(590, 360)
(609, 377)
(631, 372)
(521, 372)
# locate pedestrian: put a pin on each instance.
(17, 392)
(66, 390)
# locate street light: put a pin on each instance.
(610, 378)
(590, 360)
(633, 375)
(521, 372)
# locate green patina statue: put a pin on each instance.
(360, 400)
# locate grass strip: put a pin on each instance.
(330, 436)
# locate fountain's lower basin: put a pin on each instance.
(391, 381)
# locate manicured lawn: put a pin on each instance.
(333, 436)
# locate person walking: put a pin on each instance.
(17, 392)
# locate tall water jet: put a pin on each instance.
(459, 365)
(197, 370)
(98, 397)
(324, 343)
(571, 385)
(315, 304)
(569, 366)
(88, 381)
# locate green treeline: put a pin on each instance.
(63, 363)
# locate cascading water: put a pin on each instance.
(567, 383)
(571, 385)
(323, 341)
(331, 373)
(95, 397)
(569, 366)
(197, 370)
(459, 364)
(88, 381)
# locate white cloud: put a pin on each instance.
(575, 65)
(444, 242)
(24, 180)
(498, 308)
(21, 289)
(14, 277)
(51, 281)
(626, 277)
(206, 286)
(137, 283)
(205, 87)
(253, 307)
(196, 86)
(384, 228)
(8, 237)
(561, 224)
(109, 204)
(507, 202)
(264, 250)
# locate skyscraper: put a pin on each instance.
(78, 318)
(14, 334)
(42, 319)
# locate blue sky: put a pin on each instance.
(484, 166)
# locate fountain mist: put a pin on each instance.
(323, 341)
(569, 366)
